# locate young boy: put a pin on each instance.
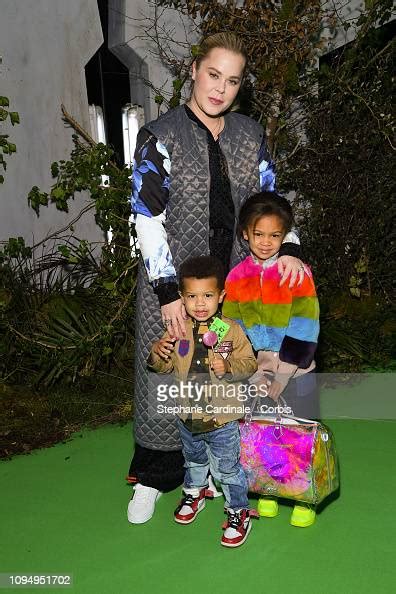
(209, 432)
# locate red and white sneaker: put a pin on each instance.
(237, 527)
(192, 503)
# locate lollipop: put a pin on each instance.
(209, 338)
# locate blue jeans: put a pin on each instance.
(219, 451)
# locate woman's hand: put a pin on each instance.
(289, 265)
(173, 317)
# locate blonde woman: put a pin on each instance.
(194, 168)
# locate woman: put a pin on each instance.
(194, 168)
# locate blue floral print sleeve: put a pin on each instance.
(266, 169)
(150, 193)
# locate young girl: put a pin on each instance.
(282, 323)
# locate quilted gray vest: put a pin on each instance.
(187, 227)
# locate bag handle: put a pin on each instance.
(278, 420)
(249, 417)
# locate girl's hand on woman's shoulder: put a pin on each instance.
(293, 267)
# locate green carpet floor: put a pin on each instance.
(63, 510)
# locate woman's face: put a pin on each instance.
(216, 82)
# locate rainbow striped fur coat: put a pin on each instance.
(278, 319)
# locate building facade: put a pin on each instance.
(44, 47)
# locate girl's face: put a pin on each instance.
(265, 237)
(216, 82)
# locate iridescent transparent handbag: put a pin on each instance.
(289, 457)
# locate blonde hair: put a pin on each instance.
(225, 40)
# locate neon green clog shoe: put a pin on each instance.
(268, 508)
(303, 516)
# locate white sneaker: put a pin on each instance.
(142, 505)
(212, 487)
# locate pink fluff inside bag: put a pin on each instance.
(290, 458)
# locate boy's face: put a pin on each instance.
(201, 297)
